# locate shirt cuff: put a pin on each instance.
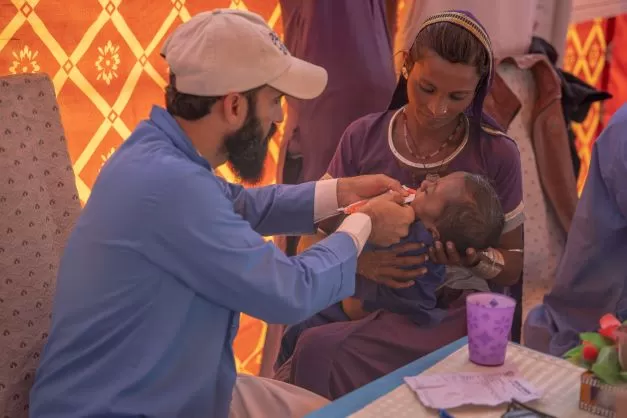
(358, 226)
(325, 199)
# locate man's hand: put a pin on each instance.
(354, 189)
(390, 218)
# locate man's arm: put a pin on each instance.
(285, 209)
(213, 250)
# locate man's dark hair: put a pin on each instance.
(192, 107)
(475, 222)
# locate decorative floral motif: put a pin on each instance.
(485, 338)
(502, 325)
(25, 61)
(105, 157)
(108, 62)
(472, 322)
(498, 348)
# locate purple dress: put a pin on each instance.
(334, 356)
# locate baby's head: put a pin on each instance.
(462, 208)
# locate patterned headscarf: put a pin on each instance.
(467, 21)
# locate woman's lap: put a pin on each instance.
(292, 333)
(336, 358)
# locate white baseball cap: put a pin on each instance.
(232, 51)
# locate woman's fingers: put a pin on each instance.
(410, 260)
(401, 274)
(452, 254)
(395, 284)
(437, 253)
(393, 258)
(406, 248)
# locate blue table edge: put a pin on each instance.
(358, 399)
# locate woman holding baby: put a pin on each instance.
(435, 126)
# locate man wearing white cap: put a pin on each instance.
(166, 254)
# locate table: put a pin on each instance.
(388, 396)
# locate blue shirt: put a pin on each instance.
(418, 301)
(161, 262)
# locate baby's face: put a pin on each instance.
(432, 197)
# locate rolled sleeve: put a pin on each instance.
(325, 200)
(359, 227)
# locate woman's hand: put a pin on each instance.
(449, 255)
(390, 268)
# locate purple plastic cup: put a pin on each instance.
(489, 321)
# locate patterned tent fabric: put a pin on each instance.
(38, 208)
(585, 57)
(103, 58)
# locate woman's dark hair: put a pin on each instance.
(192, 107)
(453, 43)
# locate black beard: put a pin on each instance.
(247, 148)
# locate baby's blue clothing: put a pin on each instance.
(418, 301)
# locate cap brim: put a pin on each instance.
(301, 80)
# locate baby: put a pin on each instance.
(461, 208)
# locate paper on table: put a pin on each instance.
(456, 389)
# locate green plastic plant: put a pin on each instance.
(598, 351)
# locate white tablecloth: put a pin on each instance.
(558, 379)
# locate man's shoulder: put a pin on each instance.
(618, 124)
(148, 164)
(611, 146)
(620, 117)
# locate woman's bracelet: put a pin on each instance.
(491, 264)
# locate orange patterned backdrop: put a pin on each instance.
(103, 57)
(585, 57)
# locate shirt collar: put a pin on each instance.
(166, 122)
